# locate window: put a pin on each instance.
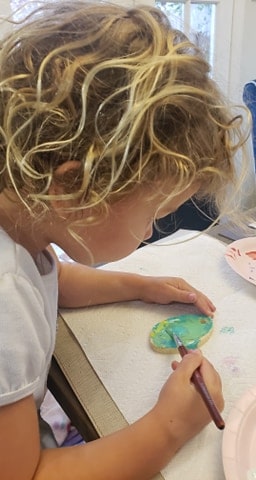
(215, 25)
(208, 23)
(21, 8)
(197, 20)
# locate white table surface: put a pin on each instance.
(114, 339)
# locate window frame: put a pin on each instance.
(229, 23)
(226, 45)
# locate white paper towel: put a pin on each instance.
(115, 339)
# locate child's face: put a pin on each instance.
(129, 222)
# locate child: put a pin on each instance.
(108, 120)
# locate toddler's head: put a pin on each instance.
(118, 92)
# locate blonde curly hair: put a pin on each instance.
(118, 90)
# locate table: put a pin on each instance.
(81, 383)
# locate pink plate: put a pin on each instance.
(241, 256)
(239, 439)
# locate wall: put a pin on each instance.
(4, 12)
(248, 57)
(242, 66)
(242, 70)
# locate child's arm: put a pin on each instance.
(80, 286)
(137, 452)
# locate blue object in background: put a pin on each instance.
(249, 98)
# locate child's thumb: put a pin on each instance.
(188, 364)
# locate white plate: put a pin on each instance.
(241, 256)
(239, 439)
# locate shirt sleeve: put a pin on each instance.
(24, 341)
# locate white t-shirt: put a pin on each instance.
(28, 315)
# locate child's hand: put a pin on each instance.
(166, 290)
(180, 407)
(95, 286)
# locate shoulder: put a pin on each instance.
(14, 259)
(27, 323)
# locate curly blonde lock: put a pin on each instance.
(118, 90)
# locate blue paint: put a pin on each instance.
(190, 328)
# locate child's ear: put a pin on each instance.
(67, 167)
(62, 189)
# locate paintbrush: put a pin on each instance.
(198, 381)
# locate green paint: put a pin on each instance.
(190, 328)
(229, 330)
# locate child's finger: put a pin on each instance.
(188, 364)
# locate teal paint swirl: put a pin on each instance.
(190, 328)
